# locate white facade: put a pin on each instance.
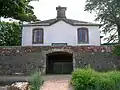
(60, 32)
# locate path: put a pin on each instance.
(51, 82)
(57, 83)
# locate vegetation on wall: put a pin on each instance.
(108, 12)
(10, 34)
(88, 79)
(116, 50)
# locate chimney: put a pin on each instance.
(61, 12)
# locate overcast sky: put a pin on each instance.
(46, 9)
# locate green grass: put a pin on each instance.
(36, 81)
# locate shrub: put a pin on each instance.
(88, 79)
(104, 83)
(36, 81)
(116, 50)
(115, 75)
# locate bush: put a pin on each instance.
(116, 50)
(36, 81)
(88, 79)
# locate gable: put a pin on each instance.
(61, 23)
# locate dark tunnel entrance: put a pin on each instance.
(59, 63)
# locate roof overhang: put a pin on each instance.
(57, 20)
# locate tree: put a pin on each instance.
(17, 9)
(10, 34)
(108, 12)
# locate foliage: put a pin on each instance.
(10, 34)
(88, 79)
(36, 81)
(108, 12)
(83, 78)
(17, 9)
(116, 50)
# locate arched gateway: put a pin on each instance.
(59, 63)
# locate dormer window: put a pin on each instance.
(38, 36)
(83, 36)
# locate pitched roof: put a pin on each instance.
(69, 21)
(61, 17)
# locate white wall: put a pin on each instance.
(60, 32)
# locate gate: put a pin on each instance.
(59, 63)
(62, 67)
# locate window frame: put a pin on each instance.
(79, 41)
(33, 33)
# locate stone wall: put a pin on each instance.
(101, 61)
(24, 60)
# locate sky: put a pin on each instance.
(46, 9)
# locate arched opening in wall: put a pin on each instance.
(59, 63)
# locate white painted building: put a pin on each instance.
(60, 31)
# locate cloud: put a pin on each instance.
(46, 9)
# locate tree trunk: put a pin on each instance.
(0, 19)
(118, 29)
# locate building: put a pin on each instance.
(60, 31)
(59, 45)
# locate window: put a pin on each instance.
(82, 35)
(38, 36)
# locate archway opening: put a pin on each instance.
(59, 63)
